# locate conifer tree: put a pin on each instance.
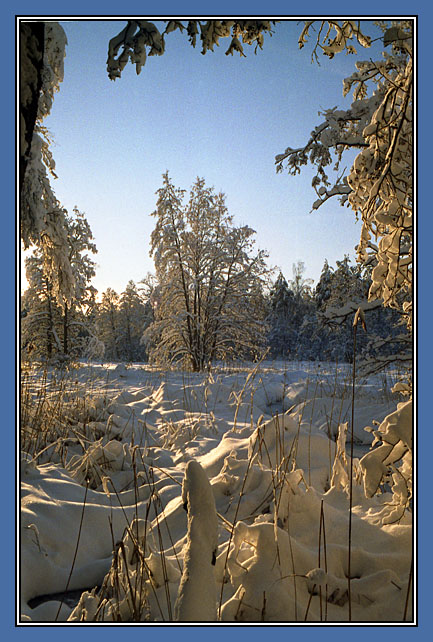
(282, 334)
(107, 323)
(132, 318)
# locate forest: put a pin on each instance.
(224, 298)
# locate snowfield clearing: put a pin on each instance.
(222, 496)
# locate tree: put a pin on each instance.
(347, 284)
(107, 322)
(300, 286)
(208, 303)
(41, 318)
(48, 328)
(323, 289)
(339, 293)
(80, 243)
(42, 51)
(32, 37)
(132, 315)
(282, 336)
(379, 124)
(42, 220)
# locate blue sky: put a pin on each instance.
(220, 117)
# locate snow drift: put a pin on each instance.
(258, 460)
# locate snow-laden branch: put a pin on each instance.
(379, 186)
(140, 39)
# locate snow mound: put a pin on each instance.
(263, 473)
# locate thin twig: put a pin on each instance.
(75, 552)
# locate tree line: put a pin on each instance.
(212, 297)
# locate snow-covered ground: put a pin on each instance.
(256, 530)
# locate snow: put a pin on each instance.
(218, 496)
(197, 597)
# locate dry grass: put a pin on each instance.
(58, 417)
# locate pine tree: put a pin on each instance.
(41, 316)
(107, 323)
(76, 329)
(132, 317)
(338, 294)
(323, 289)
(282, 334)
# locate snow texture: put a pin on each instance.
(262, 467)
(196, 600)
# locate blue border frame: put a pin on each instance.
(8, 11)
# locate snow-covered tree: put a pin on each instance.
(292, 320)
(379, 124)
(42, 221)
(80, 244)
(132, 320)
(107, 323)
(208, 303)
(346, 283)
(338, 294)
(41, 316)
(49, 329)
(300, 286)
(282, 335)
(323, 289)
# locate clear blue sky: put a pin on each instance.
(220, 117)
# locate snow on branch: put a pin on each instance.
(140, 39)
(340, 314)
(379, 122)
(42, 218)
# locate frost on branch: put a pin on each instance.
(379, 124)
(42, 218)
(131, 43)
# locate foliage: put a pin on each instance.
(317, 325)
(120, 321)
(289, 304)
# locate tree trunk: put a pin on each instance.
(32, 40)
(65, 330)
(113, 330)
(50, 328)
